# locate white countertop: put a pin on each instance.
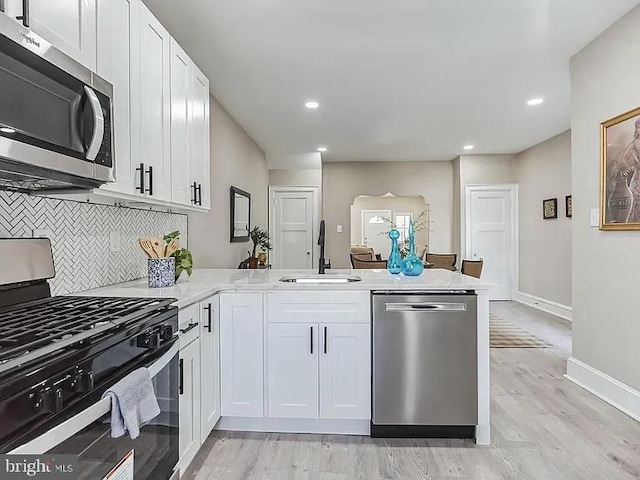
(204, 283)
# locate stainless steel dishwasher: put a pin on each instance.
(425, 381)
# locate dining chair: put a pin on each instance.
(368, 264)
(472, 268)
(361, 256)
(442, 260)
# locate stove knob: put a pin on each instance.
(148, 340)
(83, 382)
(166, 332)
(49, 401)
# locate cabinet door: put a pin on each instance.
(69, 25)
(118, 57)
(293, 370)
(345, 371)
(189, 403)
(199, 158)
(209, 365)
(152, 112)
(181, 68)
(241, 355)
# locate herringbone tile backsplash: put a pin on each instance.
(80, 236)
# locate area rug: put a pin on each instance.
(504, 334)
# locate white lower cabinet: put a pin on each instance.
(345, 371)
(189, 382)
(319, 355)
(241, 355)
(293, 370)
(209, 365)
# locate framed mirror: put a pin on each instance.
(240, 215)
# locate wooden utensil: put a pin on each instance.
(146, 245)
(158, 247)
(173, 246)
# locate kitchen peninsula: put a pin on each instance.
(262, 354)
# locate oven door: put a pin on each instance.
(88, 434)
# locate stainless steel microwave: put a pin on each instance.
(56, 129)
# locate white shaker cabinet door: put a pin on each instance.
(69, 25)
(293, 370)
(181, 68)
(209, 365)
(242, 355)
(345, 371)
(189, 382)
(199, 132)
(118, 57)
(152, 110)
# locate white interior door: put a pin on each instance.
(374, 229)
(491, 236)
(293, 227)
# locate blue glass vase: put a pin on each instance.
(395, 259)
(411, 265)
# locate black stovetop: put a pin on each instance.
(51, 323)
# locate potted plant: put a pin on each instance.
(260, 239)
(184, 259)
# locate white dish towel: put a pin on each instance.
(133, 403)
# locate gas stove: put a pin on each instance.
(58, 355)
(32, 330)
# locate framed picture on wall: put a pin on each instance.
(550, 208)
(568, 206)
(620, 172)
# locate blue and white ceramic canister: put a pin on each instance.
(162, 272)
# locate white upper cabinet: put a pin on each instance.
(152, 109)
(199, 134)
(118, 53)
(181, 73)
(293, 370)
(345, 371)
(69, 25)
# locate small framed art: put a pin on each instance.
(550, 208)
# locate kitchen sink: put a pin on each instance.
(326, 278)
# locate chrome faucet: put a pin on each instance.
(323, 266)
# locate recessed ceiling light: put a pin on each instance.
(322, 149)
(535, 101)
(312, 105)
(468, 147)
(7, 130)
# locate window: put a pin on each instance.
(402, 219)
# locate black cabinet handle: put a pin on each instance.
(150, 172)
(190, 327)
(208, 326)
(200, 194)
(140, 186)
(325, 339)
(311, 336)
(194, 198)
(181, 379)
(25, 13)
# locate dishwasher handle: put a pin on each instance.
(426, 306)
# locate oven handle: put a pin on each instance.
(98, 125)
(69, 428)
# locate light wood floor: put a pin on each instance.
(543, 426)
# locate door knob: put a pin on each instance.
(308, 253)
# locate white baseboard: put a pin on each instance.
(612, 391)
(295, 425)
(557, 309)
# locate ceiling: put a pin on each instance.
(395, 79)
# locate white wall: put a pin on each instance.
(236, 160)
(605, 79)
(343, 182)
(544, 171)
